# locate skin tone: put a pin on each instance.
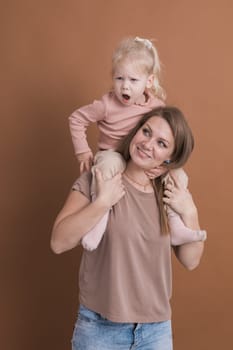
(79, 215)
(130, 82)
(151, 146)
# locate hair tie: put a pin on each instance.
(146, 42)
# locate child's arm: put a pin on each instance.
(85, 161)
(79, 121)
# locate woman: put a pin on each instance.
(125, 284)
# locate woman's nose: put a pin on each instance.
(149, 144)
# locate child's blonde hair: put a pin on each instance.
(141, 51)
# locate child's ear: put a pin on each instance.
(150, 81)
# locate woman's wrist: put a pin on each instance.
(190, 217)
(102, 204)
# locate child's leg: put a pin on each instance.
(180, 234)
(109, 163)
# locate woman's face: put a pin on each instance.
(152, 144)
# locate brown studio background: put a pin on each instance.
(56, 57)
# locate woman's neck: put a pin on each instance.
(138, 178)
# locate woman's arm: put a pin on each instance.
(189, 254)
(79, 215)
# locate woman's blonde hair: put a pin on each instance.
(143, 52)
(184, 144)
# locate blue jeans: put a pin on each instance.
(93, 332)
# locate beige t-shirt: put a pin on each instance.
(128, 277)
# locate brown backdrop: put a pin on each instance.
(55, 57)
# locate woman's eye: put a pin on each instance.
(162, 144)
(146, 132)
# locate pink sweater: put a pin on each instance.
(114, 121)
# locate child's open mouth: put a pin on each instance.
(126, 97)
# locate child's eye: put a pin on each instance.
(118, 78)
(134, 80)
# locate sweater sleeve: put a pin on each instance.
(79, 121)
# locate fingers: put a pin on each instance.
(172, 180)
(98, 175)
(155, 172)
(85, 159)
(150, 176)
(116, 179)
(109, 190)
(169, 187)
(81, 168)
(85, 165)
(168, 195)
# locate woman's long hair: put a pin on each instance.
(183, 146)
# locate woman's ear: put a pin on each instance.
(168, 161)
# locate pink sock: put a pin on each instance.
(180, 234)
(92, 238)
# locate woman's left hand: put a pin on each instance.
(178, 198)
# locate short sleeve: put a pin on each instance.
(83, 184)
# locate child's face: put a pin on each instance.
(130, 83)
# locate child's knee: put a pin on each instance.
(109, 163)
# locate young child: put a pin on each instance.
(136, 90)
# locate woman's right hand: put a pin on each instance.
(110, 191)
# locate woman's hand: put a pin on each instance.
(179, 198)
(110, 191)
(79, 215)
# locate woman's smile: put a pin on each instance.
(142, 152)
(153, 143)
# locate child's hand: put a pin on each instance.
(110, 191)
(85, 161)
(155, 172)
